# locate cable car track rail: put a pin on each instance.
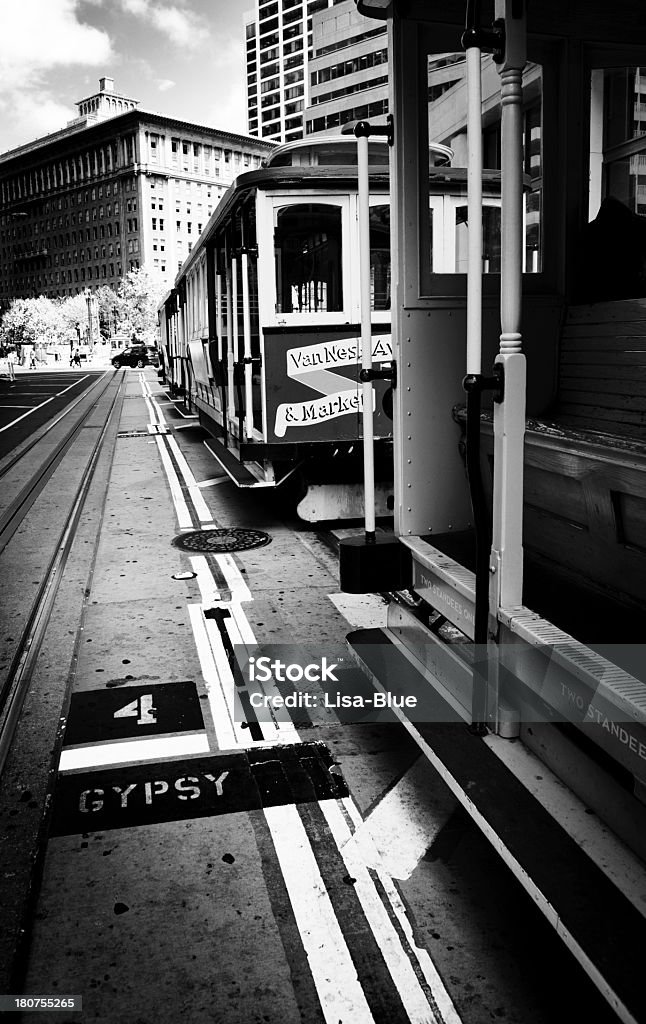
(35, 616)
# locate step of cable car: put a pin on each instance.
(596, 920)
(232, 466)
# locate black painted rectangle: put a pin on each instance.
(146, 794)
(149, 710)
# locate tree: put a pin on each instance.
(109, 307)
(72, 311)
(139, 295)
(31, 321)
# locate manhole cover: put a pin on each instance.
(222, 540)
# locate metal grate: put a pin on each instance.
(221, 541)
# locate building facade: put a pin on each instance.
(316, 54)
(117, 189)
(278, 50)
(348, 70)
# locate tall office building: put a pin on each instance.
(348, 70)
(278, 40)
(118, 188)
(311, 53)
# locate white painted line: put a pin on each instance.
(227, 684)
(442, 998)
(16, 406)
(208, 590)
(46, 402)
(222, 721)
(239, 589)
(339, 990)
(240, 626)
(361, 610)
(147, 748)
(201, 508)
(181, 508)
(160, 415)
(397, 961)
(402, 826)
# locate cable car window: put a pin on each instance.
(380, 257)
(442, 240)
(307, 241)
(490, 240)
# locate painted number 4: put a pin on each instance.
(142, 709)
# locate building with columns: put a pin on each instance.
(116, 189)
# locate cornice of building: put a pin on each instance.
(110, 126)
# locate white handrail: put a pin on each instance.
(474, 210)
(366, 335)
(246, 321)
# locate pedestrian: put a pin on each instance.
(76, 358)
(11, 364)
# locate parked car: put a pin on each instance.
(136, 355)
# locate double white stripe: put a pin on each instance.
(335, 977)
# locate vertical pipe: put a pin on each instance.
(218, 314)
(474, 207)
(230, 411)
(246, 326)
(366, 335)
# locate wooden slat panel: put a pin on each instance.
(631, 514)
(608, 345)
(581, 419)
(623, 329)
(636, 358)
(617, 372)
(610, 565)
(556, 493)
(592, 413)
(605, 312)
(606, 399)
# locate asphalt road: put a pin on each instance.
(36, 397)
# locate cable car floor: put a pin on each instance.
(195, 865)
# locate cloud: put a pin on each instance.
(164, 84)
(40, 37)
(183, 27)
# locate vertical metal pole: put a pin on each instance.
(366, 335)
(230, 410)
(509, 415)
(218, 314)
(474, 207)
(246, 321)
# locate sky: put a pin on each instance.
(182, 58)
